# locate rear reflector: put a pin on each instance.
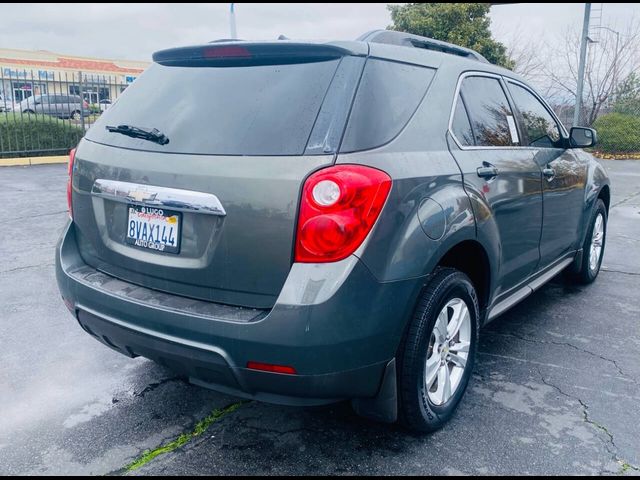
(266, 367)
(69, 304)
(72, 157)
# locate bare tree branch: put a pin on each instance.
(609, 62)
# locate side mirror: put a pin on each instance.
(582, 137)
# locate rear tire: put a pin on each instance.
(76, 115)
(29, 112)
(434, 354)
(592, 248)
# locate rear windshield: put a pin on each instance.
(249, 110)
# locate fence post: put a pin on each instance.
(81, 103)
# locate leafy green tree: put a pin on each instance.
(464, 24)
(627, 97)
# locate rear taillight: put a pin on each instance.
(339, 206)
(72, 157)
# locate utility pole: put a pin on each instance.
(581, 67)
(232, 22)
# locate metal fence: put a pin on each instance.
(617, 123)
(47, 113)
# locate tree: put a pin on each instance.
(464, 24)
(609, 61)
(627, 97)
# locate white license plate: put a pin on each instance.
(153, 229)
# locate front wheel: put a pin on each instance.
(437, 354)
(76, 115)
(593, 247)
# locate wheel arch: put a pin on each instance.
(471, 258)
(605, 195)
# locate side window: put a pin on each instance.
(388, 95)
(489, 112)
(461, 126)
(540, 128)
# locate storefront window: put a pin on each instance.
(90, 94)
(21, 90)
(104, 93)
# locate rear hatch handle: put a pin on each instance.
(164, 197)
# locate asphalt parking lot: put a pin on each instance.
(556, 389)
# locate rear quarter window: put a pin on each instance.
(388, 95)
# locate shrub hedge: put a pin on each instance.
(618, 133)
(34, 135)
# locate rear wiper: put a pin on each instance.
(153, 135)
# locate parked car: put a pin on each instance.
(315, 222)
(6, 105)
(104, 104)
(61, 106)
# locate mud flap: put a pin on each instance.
(384, 406)
(575, 266)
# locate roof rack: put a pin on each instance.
(392, 37)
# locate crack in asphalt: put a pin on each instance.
(27, 267)
(609, 270)
(15, 219)
(566, 344)
(625, 200)
(624, 465)
(153, 386)
(181, 440)
(273, 431)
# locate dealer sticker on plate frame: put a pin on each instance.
(154, 228)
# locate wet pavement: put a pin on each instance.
(556, 388)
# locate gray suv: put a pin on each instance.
(307, 223)
(61, 106)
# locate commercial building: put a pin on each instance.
(24, 73)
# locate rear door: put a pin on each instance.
(244, 130)
(500, 174)
(563, 171)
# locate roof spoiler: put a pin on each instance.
(392, 37)
(241, 53)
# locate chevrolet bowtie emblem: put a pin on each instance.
(139, 195)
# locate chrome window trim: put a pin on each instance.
(563, 131)
(170, 198)
(501, 80)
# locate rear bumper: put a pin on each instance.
(334, 323)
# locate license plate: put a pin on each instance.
(154, 229)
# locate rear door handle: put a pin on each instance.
(487, 170)
(548, 173)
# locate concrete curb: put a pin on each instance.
(26, 161)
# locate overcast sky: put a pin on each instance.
(135, 31)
